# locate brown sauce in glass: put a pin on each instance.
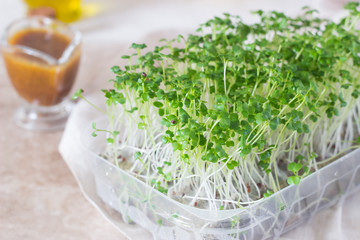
(36, 80)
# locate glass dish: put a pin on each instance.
(42, 76)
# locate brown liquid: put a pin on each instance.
(34, 79)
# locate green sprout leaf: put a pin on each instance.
(138, 46)
(137, 155)
(293, 180)
(294, 167)
(268, 193)
(77, 94)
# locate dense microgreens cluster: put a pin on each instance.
(227, 115)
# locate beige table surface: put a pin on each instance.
(39, 197)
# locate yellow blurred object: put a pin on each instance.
(66, 10)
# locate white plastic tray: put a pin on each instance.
(166, 218)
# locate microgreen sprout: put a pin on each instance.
(239, 111)
(79, 94)
(268, 193)
(294, 168)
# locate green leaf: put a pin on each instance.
(203, 109)
(293, 180)
(230, 143)
(299, 157)
(145, 97)
(313, 118)
(167, 163)
(115, 69)
(259, 118)
(176, 146)
(265, 155)
(137, 155)
(225, 123)
(232, 164)
(274, 123)
(343, 103)
(165, 139)
(184, 116)
(294, 167)
(141, 125)
(220, 151)
(346, 86)
(77, 94)
(158, 104)
(306, 171)
(211, 157)
(160, 94)
(306, 128)
(169, 133)
(122, 100)
(132, 110)
(268, 193)
(165, 122)
(138, 46)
